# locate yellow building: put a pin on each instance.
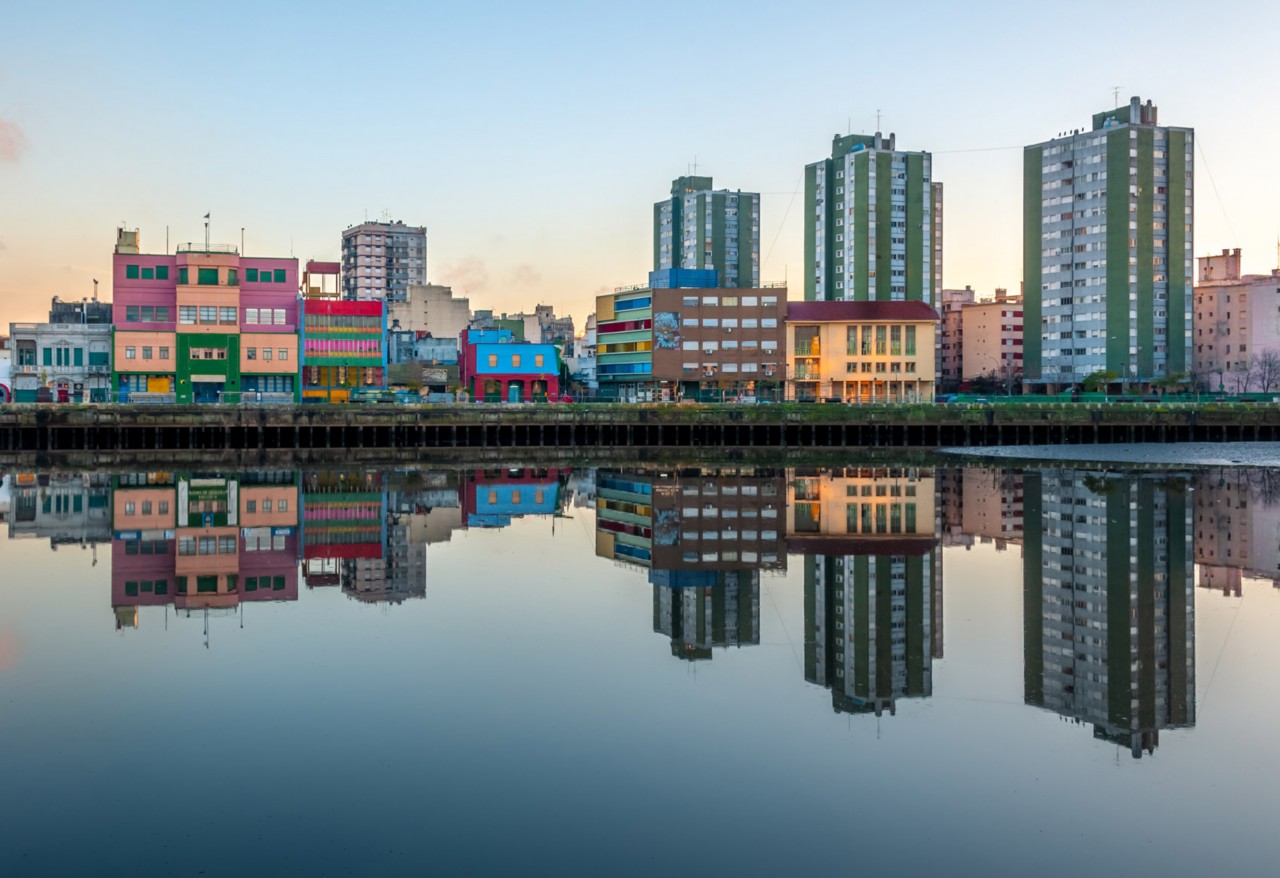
(861, 351)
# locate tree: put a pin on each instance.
(1099, 379)
(1241, 375)
(1266, 368)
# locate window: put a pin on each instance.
(279, 276)
(515, 361)
(538, 359)
(283, 506)
(208, 314)
(131, 272)
(266, 353)
(881, 340)
(187, 314)
(250, 506)
(911, 342)
(769, 323)
(493, 359)
(162, 313)
(250, 315)
(895, 341)
(131, 314)
(279, 316)
(227, 316)
(130, 353)
(266, 505)
(146, 352)
(130, 509)
(283, 354)
(164, 507)
(162, 272)
(207, 277)
(146, 507)
(711, 300)
(233, 279)
(251, 353)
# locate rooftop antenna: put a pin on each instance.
(877, 120)
(95, 289)
(1115, 93)
(206, 231)
(695, 166)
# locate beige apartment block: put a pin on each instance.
(861, 351)
(992, 333)
(1236, 327)
(431, 308)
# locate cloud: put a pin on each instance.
(468, 275)
(525, 275)
(12, 141)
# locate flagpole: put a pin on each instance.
(206, 233)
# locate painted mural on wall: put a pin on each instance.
(666, 330)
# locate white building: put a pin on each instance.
(70, 355)
(432, 308)
(1107, 251)
(381, 260)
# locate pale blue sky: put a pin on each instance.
(533, 141)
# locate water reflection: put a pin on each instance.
(1109, 602)
(1108, 584)
(872, 583)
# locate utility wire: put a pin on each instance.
(782, 224)
(1205, 161)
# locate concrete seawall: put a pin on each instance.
(60, 428)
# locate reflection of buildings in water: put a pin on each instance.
(1109, 609)
(4, 497)
(1237, 528)
(704, 535)
(205, 542)
(980, 505)
(701, 609)
(872, 584)
(582, 489)
(494, 497)
(356, 538)
(64, 508)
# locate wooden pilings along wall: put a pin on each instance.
(121, 436)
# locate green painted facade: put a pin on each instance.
(1032, 245)
(839, 244)
(734, 268)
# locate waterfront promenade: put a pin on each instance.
(54, 428)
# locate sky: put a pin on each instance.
(533, 139)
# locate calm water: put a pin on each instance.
(739, 671)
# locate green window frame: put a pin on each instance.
(131, 314)
(866, 341)
(182, 276)
(206, 584)
(181, 584)
(881, 342)
(131, 589)
(48, 356)
(895, 341)
(77, 356)
(207, 277)
(162, 586)
(148, 272)
(233, 277)
(911, 341)
(251, 583)
(162, 272)
(277, 583)
(251, 275)
(131, 272)
(279, 276)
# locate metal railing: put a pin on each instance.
(201, 247)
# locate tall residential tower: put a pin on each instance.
(1106, 251)
(701, 227)
(381, 260)
(873, 223)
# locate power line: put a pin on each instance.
(1205, 161)
(782, 224)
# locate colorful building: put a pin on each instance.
(493, 367)
(683, 337)
(202, 542)
(343, 348)
(861, 351)
(203, 325)
(492, 498)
